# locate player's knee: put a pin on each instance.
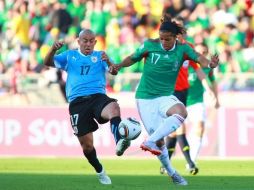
(178, 109)
(111, 110)
(115, 109)
(183, 112)
(87, 147)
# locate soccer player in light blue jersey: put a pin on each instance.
(85, 90)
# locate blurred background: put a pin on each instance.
(33, 110)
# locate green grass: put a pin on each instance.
(77, 174)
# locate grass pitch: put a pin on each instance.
(126, 174)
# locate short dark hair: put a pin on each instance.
(86, 31)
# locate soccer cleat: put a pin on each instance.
(151, 147)
(104, 178)
(162, 170)
(121, 146)
(178, 179)
(193, 170)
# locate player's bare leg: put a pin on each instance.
(86, 141)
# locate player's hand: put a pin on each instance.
(217, 104)
(214, 61)
(104, 57)
(57, 45)
(113, 70)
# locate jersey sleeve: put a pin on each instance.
(191, 53)
(60, 60)
(139, 53)
(194, 65)
(104, 63)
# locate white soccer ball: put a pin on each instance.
(129, 128)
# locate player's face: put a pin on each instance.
(87, 43)
(167, 40)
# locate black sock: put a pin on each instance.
(93, 160)
(171, 145)
(114, 122)
(185, 148)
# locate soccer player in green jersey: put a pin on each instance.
(160, 111)
(195, 103)
(181, 92)
(198, 76)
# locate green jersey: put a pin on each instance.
(161, 67)
(196, 89)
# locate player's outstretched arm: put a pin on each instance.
(202, 77)
(209, 63)
(125, 63)
(112, 70)
(210, 87)
(49, 58)
(215, 91)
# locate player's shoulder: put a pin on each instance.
(151, 41)
(182, 44)
(97, 52)
(72, 51)
(150, 44)
(190, 44)
(186, 42)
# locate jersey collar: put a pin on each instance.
(83, 54)
(171, 48)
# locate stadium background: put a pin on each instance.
(33, 112)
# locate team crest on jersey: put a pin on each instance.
(176, 64)
(94, 59)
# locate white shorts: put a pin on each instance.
(153, 111)
(196, 112)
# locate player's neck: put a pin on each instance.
(83, 53)
(170, 48)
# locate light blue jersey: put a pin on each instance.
(86, 74)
